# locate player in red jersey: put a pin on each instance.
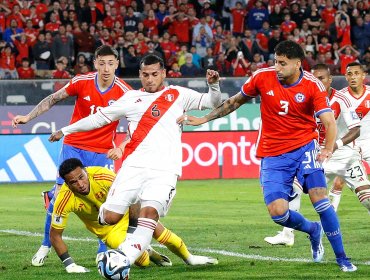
(93, 91)
(287, 144)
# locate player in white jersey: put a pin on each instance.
(358, 95)
(346, 156)
(153, 157)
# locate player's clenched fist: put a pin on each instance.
(56, 136)
(212, 76)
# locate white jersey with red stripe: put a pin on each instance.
(155, 136)
(362, 107)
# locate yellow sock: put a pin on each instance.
(174, 244)
(143, 260)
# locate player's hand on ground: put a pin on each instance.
(190, 120)
(56, 136)
(19, 119)
(212, 76)
(74, 268)
(115, 153)
(324, 155)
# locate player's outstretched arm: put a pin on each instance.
(351, 135)
(228, 106)
(41, 108)
(62, 251)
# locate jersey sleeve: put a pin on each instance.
(320, 98)
(191, 99)
(71, 87)
(62, 208)
(350, 116)
(250, 87)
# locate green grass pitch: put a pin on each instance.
(226, 219)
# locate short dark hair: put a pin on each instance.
(151, 59)
(68, 166)
(355, 63)
(321, 66)
(290, 49)
(105, 50)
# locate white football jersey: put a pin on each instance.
(155, 136)
(362, 107)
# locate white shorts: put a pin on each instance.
(354, 173)
(365, 150)
(154, 188)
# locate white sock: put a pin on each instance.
(364, 198)
(136, 243)
(334, 197)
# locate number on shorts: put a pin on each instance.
(355, 171)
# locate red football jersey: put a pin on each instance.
(89, 100)
(287, 112)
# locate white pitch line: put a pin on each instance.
(213, 251)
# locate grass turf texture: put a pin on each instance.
(226, 219)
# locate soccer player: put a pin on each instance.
(152, 158)
(287, 144)
(346, 165)
(83, 192)
(358, 95)
(93, 91)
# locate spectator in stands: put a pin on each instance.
(202, 42)
(42, 53)
(347, 54)
(25, 71)
(35, 17)
(258, 61)
(91, 14)
(160, 15)
(130, 21)
(60, 72)
(274, 40)
(276, 18)
(287, 26)
(206, 30)
(31, 32)
(15, 15)
(361, 34)
(343, 27)
(189, 69)
(249, 45)
(63, 46)
(311, 45)
(151, 23)
(55, 9)
(152, 50)
(209, 61)
(181, 54)
(81, 65)
(106, 38)
(180, 26)
(240, 66)
(328, 13)
(238, 15)
(41, 7)
(54, 23)
(197, 59)
(207, 9)
(22, 45)
(174, 72)
(132, 62)
(7, 62)
(122, 50)
(324, 45)
(85, 42)
(11, 30)
(312, 16)
(223, 67)
(169, 49)
(296, 14)
(256, 16)
(232, 49)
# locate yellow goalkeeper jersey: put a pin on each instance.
(86, 207)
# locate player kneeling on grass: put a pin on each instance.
(83, 192)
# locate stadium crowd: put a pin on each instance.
(57, 39)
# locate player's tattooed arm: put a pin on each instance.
(48, 102)
(41, 108)
(224, 109)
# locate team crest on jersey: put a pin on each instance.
(110, 102)
(299, 97)
(169, 97)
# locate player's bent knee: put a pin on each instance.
(107, 217)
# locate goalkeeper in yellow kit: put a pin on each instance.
(83, 192)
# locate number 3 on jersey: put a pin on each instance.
(284, 107)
